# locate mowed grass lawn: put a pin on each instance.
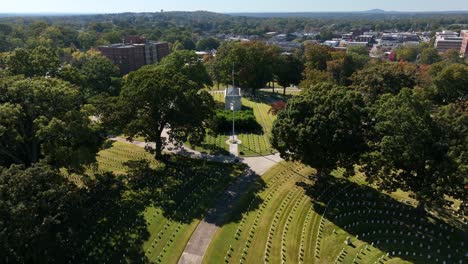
(290, 218)
(253, 144)
(153, 222)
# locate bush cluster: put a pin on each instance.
(244, 121)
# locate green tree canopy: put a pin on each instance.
(253, 61)
(160, 96)
(189, 65)
(453, 121)
(322, 127)
(452, 83)
(40, 119)
(97, 73)
(39, 215)
(407, 53)
(206, 44)
(384, 78)
(405, 150)
(430, 56)
(317, 56)
(40, 61)
(288, 71)
(342, 68)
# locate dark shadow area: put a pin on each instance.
(236, 201)
(269, 97)
(390, 225)
(184, 188)
(244, 146)
(212, 149)
(114, 226)
(241, 198)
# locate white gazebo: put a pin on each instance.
(233, 96)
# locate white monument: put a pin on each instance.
(233, 96)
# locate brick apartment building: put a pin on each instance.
(464, 47)
(135, 52)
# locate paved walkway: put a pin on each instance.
(259, 164)
(201, 238)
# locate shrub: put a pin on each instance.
(244, 121)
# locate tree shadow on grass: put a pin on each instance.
(184, 188)
(114, 227)
(212, 149)
(393, 226)
(241, 198)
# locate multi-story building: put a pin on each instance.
(447, 40)
(464, 46)
(365, 38)
(135, 52)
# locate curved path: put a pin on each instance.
(201, 238)
(258, 164)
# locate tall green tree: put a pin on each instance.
(41, 119)
(206, 44)
(452, 83)
(159, 97)
(430, 56)
(384, 78)
(405, 148)
(253, 62)
(288, 71)
(407, 53)
(317, 56)
(93, 73)
(40, 213)
(453, 121)
(40, 61)
(322, 127)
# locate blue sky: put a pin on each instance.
(113, 6)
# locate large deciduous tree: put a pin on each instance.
(253, 62)
(405, 148)
(207, 44)
(430, 56)
(322, 127)
(41, 118)
(317, 56)
(39, 215)
(170, 96)
(452, 83)
(384, 78)
(94, 73)
(288, 71)
(453, 121)
(37, 62)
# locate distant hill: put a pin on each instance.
(373, 13)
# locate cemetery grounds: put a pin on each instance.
(151, 223)
(288, 217)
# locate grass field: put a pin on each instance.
(252, 144)
(293, 219)
(152, 221)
